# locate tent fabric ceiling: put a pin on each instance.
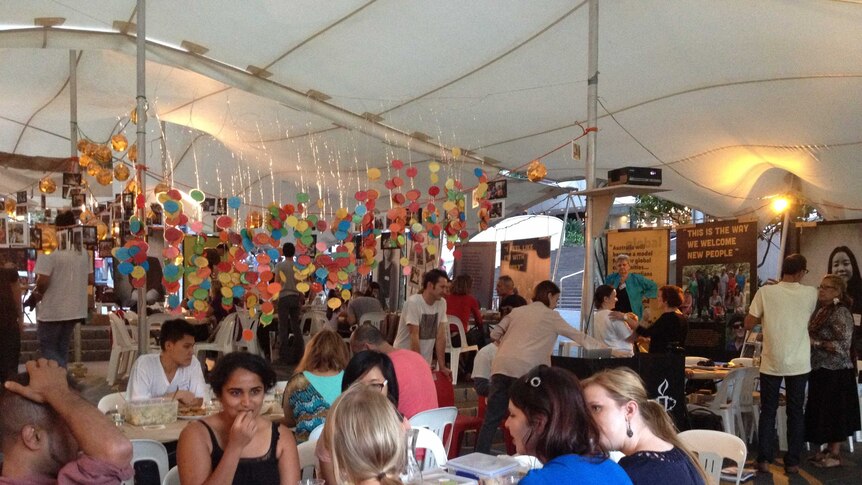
(737, 101)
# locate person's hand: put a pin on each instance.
(243, 429)
(617, 315)
(31, 301)
(442, 369)
(47, 381)
(185, 397)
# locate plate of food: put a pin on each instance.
(191, 413)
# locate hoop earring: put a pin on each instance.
(629, 431)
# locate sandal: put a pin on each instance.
(819, 456)
(828, 462)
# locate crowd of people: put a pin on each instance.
(364, 394)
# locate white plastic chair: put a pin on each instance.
(712, 447)
(124, 350)
(223, 341)
(247, 322)
(725, 400)
(746, 404)
(150, 450)
(173, 477)
(457, 351)
(743, 362)
(312, 322)
(112, 401)
(435, 453)
(375, 319)
(307, 458)
(437, 420)
(316, 432)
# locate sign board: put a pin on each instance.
(478, 260)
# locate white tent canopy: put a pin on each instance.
(737, 101)
(523, 227)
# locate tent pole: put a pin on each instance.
(73, 141)
(141, 165)
(590, 169)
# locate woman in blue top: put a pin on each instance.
(641, 429)
(316, 384)
(548, 419)
(631, 288)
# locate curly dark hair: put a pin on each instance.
(241, 360)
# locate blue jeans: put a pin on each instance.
(54, 339)
(498, 408)
(795, 393)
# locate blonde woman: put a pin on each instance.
(640, 428)
(316, 384)
(368, 440)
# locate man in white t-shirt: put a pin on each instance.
(60, 297)
(783, 310)
(423, 320)
(175, 372)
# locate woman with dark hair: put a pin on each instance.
(316, 384)
(237, 445)
(526, 339)
(375, 370)
(612, 327)
(11, 321)
(670, 329)
(639, 427)
(842, 262)
(548, 419)
(832, 408)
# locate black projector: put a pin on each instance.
(635, 176)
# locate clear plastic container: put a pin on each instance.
(148, 412)
(482, 467)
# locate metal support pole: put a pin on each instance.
(590, 169)
(141, 165)
(78, 368)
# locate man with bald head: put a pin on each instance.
(50, 434)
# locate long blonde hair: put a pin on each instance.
(624, 385)
(367, 440)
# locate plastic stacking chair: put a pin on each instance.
(457, 351)
(173, 477)
(247, 322)
(124, 350)
(725, 400)
(307, 458)
(375, 319)
(312, 322)
(316, 432)
(446, 398)
(712, 448)
(435, 453)
(150, 450)
(112, 401)
(223, 342)
(440, 420)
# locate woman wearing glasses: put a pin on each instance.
(375, 370)
(832, 411)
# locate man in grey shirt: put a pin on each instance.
(360, 305)
(289, 302)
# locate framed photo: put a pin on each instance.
(497, 210)
(63, 239)
(36, 238)
(78, 199)
(4, 241)
(2, 205)
(105, 248)
(17, 234)
(70, 178)
(497, 189)
(221, 206)
(21, 197)
(117, 211)
(90, 236)
(128, 203)
(21, 211)
(208, 205)
(77, 238)
(105, 217)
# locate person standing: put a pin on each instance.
(11, 321)
(668, 332)
(783, 310)
(631, 288)
(60, 297)
(289, 302)
(423, 320)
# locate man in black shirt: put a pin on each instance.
(508, 296)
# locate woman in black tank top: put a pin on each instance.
(237, 445)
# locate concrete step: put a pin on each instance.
(95, 344)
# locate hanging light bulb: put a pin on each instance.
(104, 176)
(536, 171)
(47, 185)
(121, 172)
(161, 187)
(119, 142)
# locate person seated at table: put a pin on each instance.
(548, 419)
(316, 384)
(174, 372)
(368, 440)
(508, 295)
(416, 391)
(460, 303)
(632, 423)
(372, 369)
(482, 368)
(237, 445)
(669, 330)
(361, 304)
(50, 434)
(612, 327)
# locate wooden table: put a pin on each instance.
(706, 374)
(170, 432)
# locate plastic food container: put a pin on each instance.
(147, 412)
(482, 467)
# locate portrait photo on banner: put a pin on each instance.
(834, 248)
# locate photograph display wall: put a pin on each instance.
(834, 248)
(649, 253)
